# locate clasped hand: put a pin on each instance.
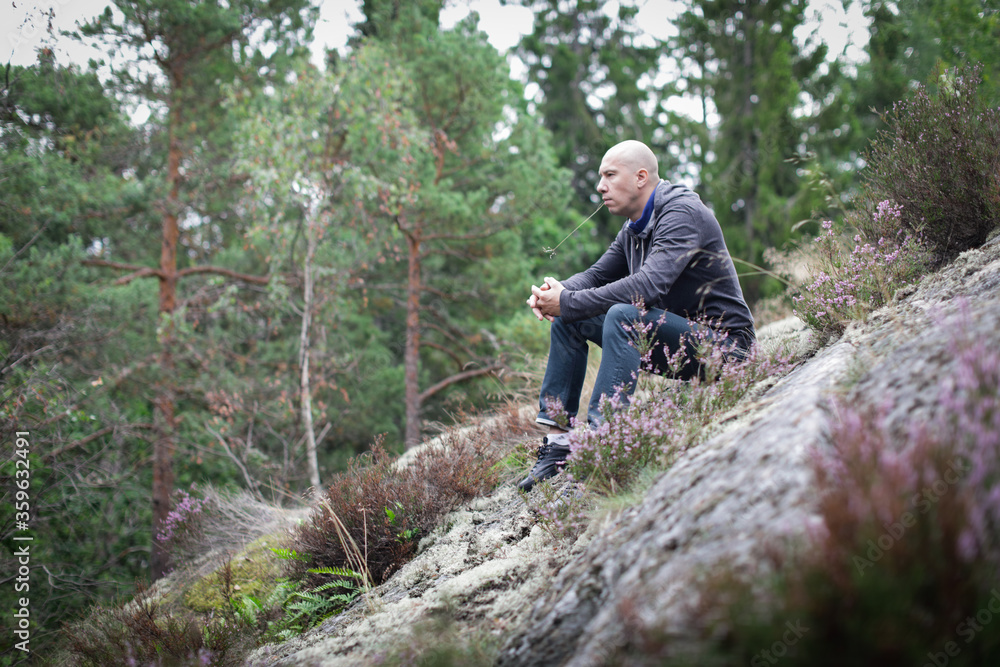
(544, 300)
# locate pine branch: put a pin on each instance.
(443, 348)
(146, 271)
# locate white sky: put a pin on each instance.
(24, 26)
(24, 23)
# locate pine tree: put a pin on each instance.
(472, 167)
(182, 53)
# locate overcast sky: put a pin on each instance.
(25, 24)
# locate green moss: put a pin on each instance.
(255, 572)
(517, 460)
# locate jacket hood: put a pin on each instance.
(665, 195)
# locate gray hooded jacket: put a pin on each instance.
(677, 262)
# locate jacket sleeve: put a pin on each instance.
(611, 266)
(675, 239)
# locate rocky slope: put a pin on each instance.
(494, 575)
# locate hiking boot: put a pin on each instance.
(551, 460)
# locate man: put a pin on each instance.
(669, 256)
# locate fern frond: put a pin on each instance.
(289, 554)
(339, 571)
(334, 584)
(309, 595)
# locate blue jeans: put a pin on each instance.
(567, 365)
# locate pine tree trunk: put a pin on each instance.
(411, 356)
(163, 449)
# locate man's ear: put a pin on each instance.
(641, 177)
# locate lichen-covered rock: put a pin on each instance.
(717, 502)
(490, 568)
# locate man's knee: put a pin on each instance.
(619, 314)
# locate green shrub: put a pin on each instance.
(289, 611)
(939, 159)
(931, 190)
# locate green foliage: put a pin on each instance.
(913, 40)
(42, 287)
(249, 572)
(88, 445)
(407, 535)
(931, 190)
(289, 554)
(437, 168)
(246, 43)
(240, 617)
(939, 160)
(64, 147)
(141, 630)
(459, 166)
(303, 609)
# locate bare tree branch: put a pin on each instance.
(218, 270)
(146, 271)
(141, 273)
(51, 456)
(252, 484)
(116, 265)
(453, 337)
(26, 245)
(458, 377)
(443, 348)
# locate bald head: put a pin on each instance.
(629, 175)
(636, 155)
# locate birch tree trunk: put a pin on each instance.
(305, 389)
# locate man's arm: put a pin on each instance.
(609, 267)
(674, 244)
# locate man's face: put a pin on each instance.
(618, 187)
